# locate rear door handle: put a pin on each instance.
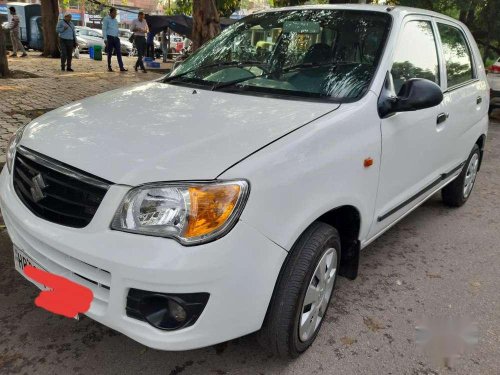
(441, 118)
(479, 100)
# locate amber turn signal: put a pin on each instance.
(210, 208)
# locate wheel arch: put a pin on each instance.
(347, 220)
(480, 142)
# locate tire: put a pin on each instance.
(457, 192)
(282, 333)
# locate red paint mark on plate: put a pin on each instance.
(64, 297)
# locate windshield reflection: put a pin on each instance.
(314, 53)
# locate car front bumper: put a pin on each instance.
(239, 271)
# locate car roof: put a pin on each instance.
(396, 11)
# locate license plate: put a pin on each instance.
(21, 260)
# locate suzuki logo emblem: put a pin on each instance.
(37, 188)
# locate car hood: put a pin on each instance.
(158, 132)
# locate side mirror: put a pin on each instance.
(415, 94)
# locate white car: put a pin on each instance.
(226, 198)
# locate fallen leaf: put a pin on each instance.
(475, 284)
(434, 275)
(372, 324)
(348, 341)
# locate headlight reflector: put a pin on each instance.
(11, 147)
(191, 213)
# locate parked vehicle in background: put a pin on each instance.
(88, 37)
(494, 82)
(495, 68)
(29, 25)
(127, 48)
(227, 197)
(177, 43)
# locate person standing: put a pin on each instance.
(139, 27)
(15, 34)
(150, 45)
(67, 41)
(165, 44)
(110, 33)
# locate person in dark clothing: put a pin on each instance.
(150, 45)
(139, 27)
(67, 41)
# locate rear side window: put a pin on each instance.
(416, 54)
(456, 55)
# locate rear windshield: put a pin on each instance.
(315, 53)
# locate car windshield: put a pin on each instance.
(317, 53)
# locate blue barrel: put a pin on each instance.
(91, 52)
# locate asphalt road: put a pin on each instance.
(437, 262)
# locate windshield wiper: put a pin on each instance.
(215, 65)
(222, 85)
(305, 66)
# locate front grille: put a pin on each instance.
(55, 191)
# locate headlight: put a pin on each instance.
(191, 213)
(12, 145)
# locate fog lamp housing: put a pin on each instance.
(166, 311)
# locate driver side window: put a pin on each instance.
(416, 54)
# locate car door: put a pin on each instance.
(465, 95)
(412, 157)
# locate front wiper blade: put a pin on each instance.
(215, 65)
(305, 66)
(222, 85)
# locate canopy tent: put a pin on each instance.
(180, 24)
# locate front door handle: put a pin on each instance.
(441, 118)
(479, 100)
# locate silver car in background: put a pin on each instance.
(87, 37)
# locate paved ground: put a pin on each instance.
(437, 262)
(21, 100)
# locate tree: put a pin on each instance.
(227, 7)
(206, 23)
(50, 16)
(4, 65)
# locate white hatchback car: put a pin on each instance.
(226, 198)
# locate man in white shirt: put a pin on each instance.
(139, 27)
(111, 33)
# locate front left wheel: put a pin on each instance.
(303, 292)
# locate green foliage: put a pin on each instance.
(180, 7)
(225, 7)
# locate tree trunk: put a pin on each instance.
(50, 15)
(206, 23)
(4, 65)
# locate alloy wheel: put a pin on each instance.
(318, 295)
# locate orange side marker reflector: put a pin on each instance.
(368, 162)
